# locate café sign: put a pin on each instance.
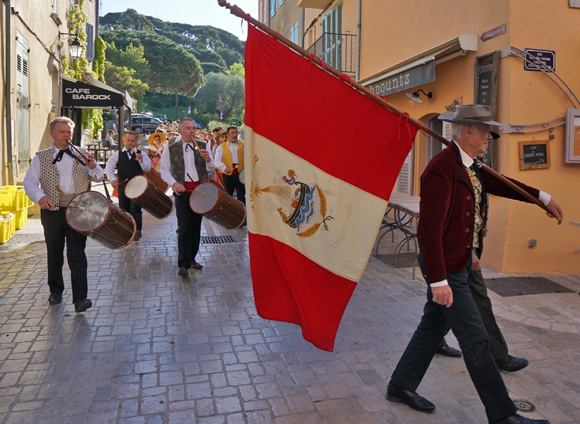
(404, 80)
(80, 94)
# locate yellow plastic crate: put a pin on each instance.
(7, 227)
(21, 200)
(21, 218)
(7, 198)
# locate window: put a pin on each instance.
(272, 8)
(54, 7)
(332, 33)
(280, 2)
(90, 50)
(294, 33)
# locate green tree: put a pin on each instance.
(221, 91)
(230, 56)
(132, 57)
(209, 56)
(129, 19)
(237, 69)
(122, 78)
(173, 70)
(212, 67)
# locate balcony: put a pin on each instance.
(313, 4)
(336, 50)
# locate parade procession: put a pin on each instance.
(289, 211)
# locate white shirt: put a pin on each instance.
(467, 162)
(112, 163)
(65, 171)
(188, 158)
(219, 154)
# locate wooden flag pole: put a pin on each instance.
(235, 10)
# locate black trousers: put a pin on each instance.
(231, 183)
(56, 233)
(189, 234)
(467, 325)
(498, 345)
(130, 206)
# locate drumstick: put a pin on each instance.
(59, 190)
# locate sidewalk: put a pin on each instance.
(156, 348)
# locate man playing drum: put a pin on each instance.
(184, 165)
(129, 163)
(55, 176)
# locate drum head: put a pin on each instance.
(203, 198)
(136, 187)
(87, 211)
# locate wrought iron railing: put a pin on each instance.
(337, 50)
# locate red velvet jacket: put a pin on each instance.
(445, 229)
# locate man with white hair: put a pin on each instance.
(452, 215)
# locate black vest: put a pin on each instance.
(127, 169)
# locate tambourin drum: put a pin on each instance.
(243, 176)
(143, 192)
(91, 214)
(214, 203)
(155, 177)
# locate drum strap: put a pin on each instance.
(64, 199)
(191, 185)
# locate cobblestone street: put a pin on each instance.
(156, 348)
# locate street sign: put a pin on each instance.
(544, 59)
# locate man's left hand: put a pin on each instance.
(204, 154)
(475, 264)
(555, 211)
(90, 161)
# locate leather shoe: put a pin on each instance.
(82, 305)
(411, 399)
(512, 364)
(518, 419)
(55, 299)
(196, 265)
(137, 236)
(183, 272)
(446, 350)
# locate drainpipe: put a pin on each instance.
(8, 92)
(358, 40)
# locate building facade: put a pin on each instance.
(518, 56)
(35, 41)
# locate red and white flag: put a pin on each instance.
(321, 160)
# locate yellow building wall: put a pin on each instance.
(392, 33)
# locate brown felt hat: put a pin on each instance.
(471, 115)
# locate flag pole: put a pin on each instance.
(237, 11)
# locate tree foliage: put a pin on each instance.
(173, 70)
(207, 56)
(122, 78)
(129, 19)
(212, 67)
(133, 57)
(237, 69)
(221, 91)
(230, 56)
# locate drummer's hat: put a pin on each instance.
(471, 115)
(155, 134)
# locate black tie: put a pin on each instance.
(189, 145)
(60, 153)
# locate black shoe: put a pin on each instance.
(183, 272)
(137, 236)
(411, 399)
(518, 419)
(512, 364)
(55, 299)
(82, 305)
(196, 265)
(446, 350)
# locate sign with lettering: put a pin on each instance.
(405, 80)
(493, 32)
(82, 95)
(534, 154)
(543, 59)
(485, 93)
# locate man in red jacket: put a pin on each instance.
(452, 215)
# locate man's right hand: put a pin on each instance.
(45, 203)
(114, 183)
(178, 188)
(442, 295)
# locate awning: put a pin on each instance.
(420, 68)
(95, 95)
